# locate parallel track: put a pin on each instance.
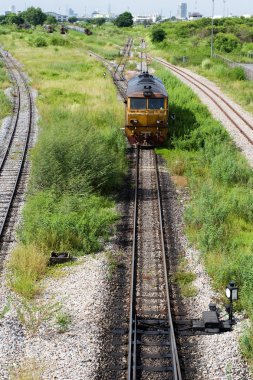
(120, 68)
(120, 84)
(152, 351)
(12, 164)
(240, 123)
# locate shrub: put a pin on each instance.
(206, 64)
(40, 41)
(208, 213)
(70, 222)
(59, 41)
(226, 42)
(237, 73)
(158, 35)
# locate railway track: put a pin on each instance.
(119, 81)
(152, 351)
(120, 68)
(242, 125)
(14, 151)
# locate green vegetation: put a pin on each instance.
(188, 44)
(124, 20)
(220, 215)
(185, 278)
(158, 35)
(63, 321)
(79, 160)
(32, 314)
(5, 104)
(27, 265)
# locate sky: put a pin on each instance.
(140, 7)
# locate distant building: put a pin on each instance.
(182, 11)
(71, 12)
(13, 9)
(97, 14)
(60, 18)
(144, 19)
(194, 16)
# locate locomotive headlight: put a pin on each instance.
(159, 122)
(134, 121)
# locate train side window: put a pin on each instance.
(156, 103)
(138, 103)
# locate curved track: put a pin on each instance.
(240, 123)
(15, 150)
(152, 351)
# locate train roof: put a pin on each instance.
(145, 82)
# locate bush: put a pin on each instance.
(71, 222)
(158, 35)
(40, 41)
(226, 42)
(206, 64)
(208, 214)
(228, 168)
(59, 41)
(237, 73)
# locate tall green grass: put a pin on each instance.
(219, 217)
(79, 161)
(5, 104)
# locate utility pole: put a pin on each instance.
(212, 30)
(224, 8)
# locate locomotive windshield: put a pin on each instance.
(147, 103)
(155, 103)
(138, 103)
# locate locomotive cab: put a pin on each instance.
(146, 111)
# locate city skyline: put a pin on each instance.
(142, 7)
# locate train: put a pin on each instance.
(147, 111)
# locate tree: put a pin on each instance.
(12, 18)
(34, 16)
(158, 35)
(51, 20)
(72, 19)
(226, 42)
(99, 21)
(124, 19)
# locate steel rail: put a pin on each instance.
(25, 147)
(123, 61)
(132, 317)
(110, 68)
(132, 336)
(16, 114)
(195, 81)
(176, 365)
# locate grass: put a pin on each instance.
(28, 369)
(5, 104)
(78, 162)
(219, 217)
(27, 265)
(113, 262)
(32, 314)
(185, 279)
(63, 321)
